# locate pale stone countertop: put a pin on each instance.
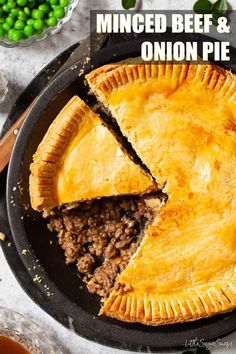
(20, 66)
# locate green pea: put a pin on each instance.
(30, 22)
(27, 11)
(19, 25)
(2, 32)
(10, 33)
(5, 8)
(44, 8)
(38, 24)
(51, 14)
(6, 27)
(16, 36)
(52, 21)
(21, 3)
(14, 12)
(10, 21)
(64, 3)
(59, 12)
(22, 16)
(53, 2)
(28, 30)
(11, 4)
(2, 2)
(37, 14)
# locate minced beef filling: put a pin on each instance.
(101, 236)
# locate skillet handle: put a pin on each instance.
(7, 142)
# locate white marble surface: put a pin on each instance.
(20, 66)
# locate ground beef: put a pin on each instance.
(103, 278)
(101, 236)
(85, 263)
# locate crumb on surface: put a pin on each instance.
(71, 323)
(37, 278)
(87, 60)
(24, 252)
(49, 294)
(14, 189)
(81, 72)
(9, 244)
(73, 67)
(2, 236)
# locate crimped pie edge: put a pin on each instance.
(45, 160)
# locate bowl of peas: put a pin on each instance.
(23, 22)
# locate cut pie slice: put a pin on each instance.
(181, 120)
(79, 158)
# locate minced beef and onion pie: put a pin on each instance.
(155, 257)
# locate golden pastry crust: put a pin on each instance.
(152, 311)
(173, 279)
(45, 160)
(93, 75)
(109, 77)
(181, 121)
(79, 158)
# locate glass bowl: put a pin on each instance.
(26, 332)
(5, 42)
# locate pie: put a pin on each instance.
(180, 119)
(79, 159)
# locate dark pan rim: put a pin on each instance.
(101, 331)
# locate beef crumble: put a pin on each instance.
(101, 236)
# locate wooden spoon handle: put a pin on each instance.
(7, 142)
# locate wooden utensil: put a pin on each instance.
(7, 142)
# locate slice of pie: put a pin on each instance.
(80, 159)
(181, 121)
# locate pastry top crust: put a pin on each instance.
(186, 111)
(181, 121)
(79, 158)
(183, 270)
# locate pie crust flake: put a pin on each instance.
(180, 119)
(79, 158)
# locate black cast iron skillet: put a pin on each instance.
(57, 288)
